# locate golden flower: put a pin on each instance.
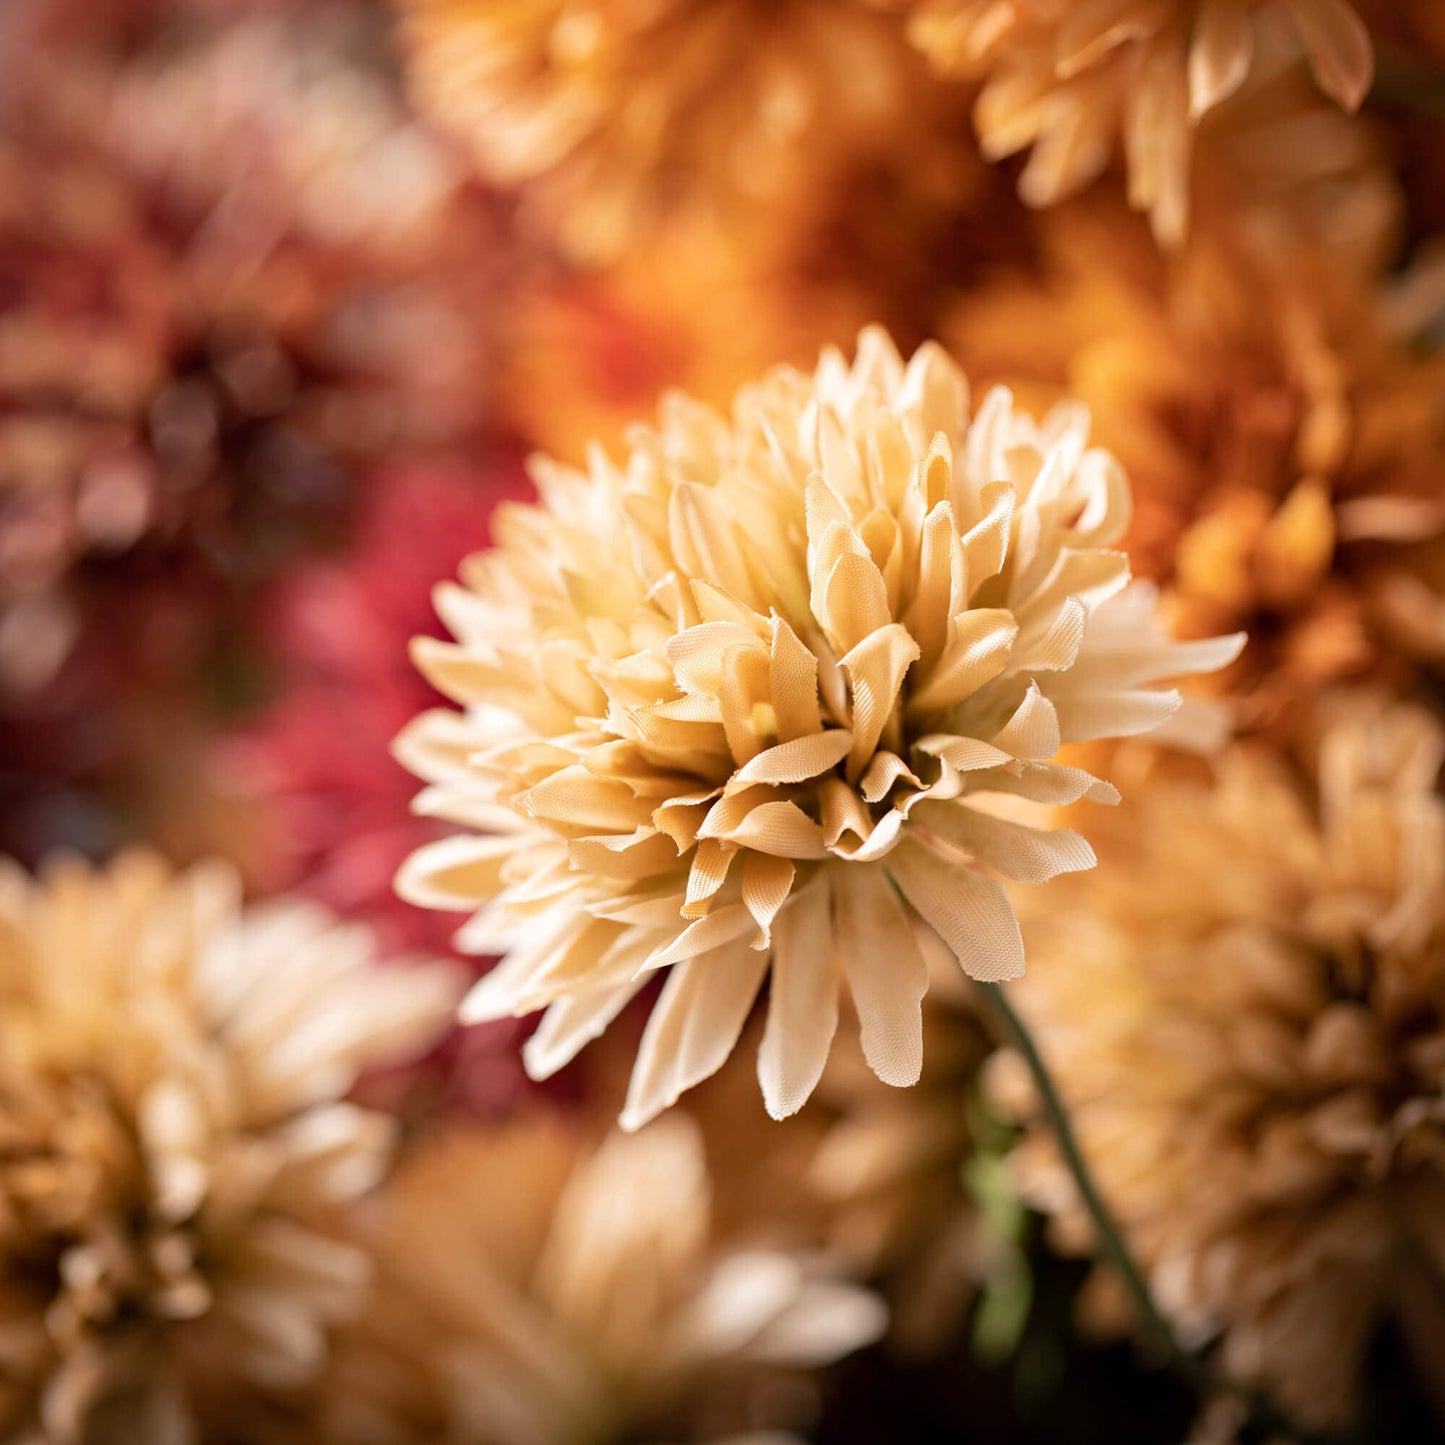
(1076, 79)
(535, 1291)
(176, 1140)
(1245, 1011)
(1284, 427)
(614, 114)
(732, 702)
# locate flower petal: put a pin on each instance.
(887, 974)
(802, 1002)
(970, 914)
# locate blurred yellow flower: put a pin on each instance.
(535, 1291)
(173, 1076)
(616, 113)
(1283, 429)
(731, 704)
(1077, 79)
(1245, 1011)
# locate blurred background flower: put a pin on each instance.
(537, 1287)
(221, 251)
(1288, 423)
(614, 116)
(1078, 80)
(1244, 1011)
(176, 1141)
(330, 811)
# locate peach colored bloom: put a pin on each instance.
(737, 704)
(535, 1289)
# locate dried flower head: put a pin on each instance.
(612, 115)
(591, 1298)
(1245, 1011)
(172, 1074)
(1285, 424)
(739, 703)
(1076, 79)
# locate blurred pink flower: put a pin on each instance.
(336, 807)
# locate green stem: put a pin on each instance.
(1265, 1413)
(1111, 1241)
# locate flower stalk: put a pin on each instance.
(1270, 1420)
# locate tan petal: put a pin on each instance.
(802, 1002)
(767, 882)
(460, 872)
(779, 828)
(794, 762)
(854, 602)
(1032, 732)
(576, 798)
(883, 772)
(1338, 42)
(1027, 855)
(985, 544)
(977, 652)
(1219, 54)
(887, 974)
(636, 855)
(693, 1028)
(876, 668)
(939, 578)
(970, 914)
(793, 682)
(710, 863)
(702, 935)
(572, 1023)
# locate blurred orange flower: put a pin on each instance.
(1077, 79)
(1282, 432)
(612, 116)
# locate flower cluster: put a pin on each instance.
(960, 433)
(1077, 79)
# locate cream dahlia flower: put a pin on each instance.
(738, 706)
(536, 1290)
(176, 1142)
(1076, 78)
(1245, 1012)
